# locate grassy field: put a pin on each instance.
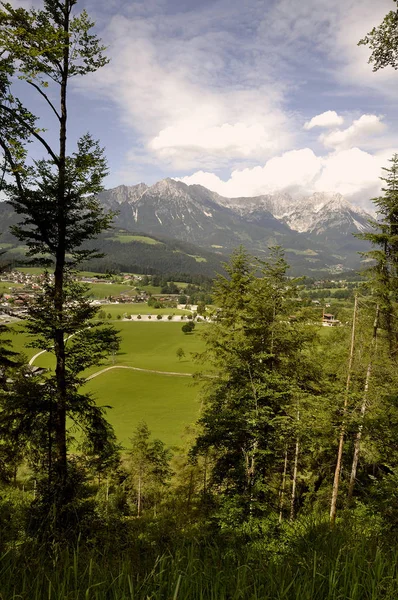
(20, 340)
(167, 404)
(5, 286)
(147, 346)
(104, 290)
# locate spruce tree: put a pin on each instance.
(261, 369)
(56, 198)
(383, 274)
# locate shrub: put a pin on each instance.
(149, 316)
(188, 327)
(138, 317)
(158, 317)
(170, 317)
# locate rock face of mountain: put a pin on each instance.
(320, 224)
(315, 230)
(188, 213)
(326, 215)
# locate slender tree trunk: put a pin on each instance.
(139, 495)
(190, 492)
(282, 490)
(336, 481)
(294, 481)
(59, 272)
(357, 446)
(295, 469)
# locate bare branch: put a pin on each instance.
(31, 131)
(37, 87)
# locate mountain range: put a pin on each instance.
(316, 231)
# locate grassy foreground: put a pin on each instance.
(319, 566)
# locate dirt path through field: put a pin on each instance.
(170, 373)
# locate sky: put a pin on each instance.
(244, 97)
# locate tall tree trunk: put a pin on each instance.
(139, 493)
(190, 491)
(59, 272)
(282, 490)
(295, 468)
(336, 481)
(357, 446)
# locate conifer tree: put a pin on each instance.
(55, 196)
(383, 274)
(260, 369)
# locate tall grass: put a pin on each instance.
(324, 568)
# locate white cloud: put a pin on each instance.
(297, 168)
(177, 95)
(208, 88)
(353, 173)
(359, 133)
(238, 140)
(327, 119)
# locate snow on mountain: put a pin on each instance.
(322, 223)
(308, 214)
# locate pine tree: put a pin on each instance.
(56, 196)
(260, 368)
(383, 274)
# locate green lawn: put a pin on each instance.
(167, 404)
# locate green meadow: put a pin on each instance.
(168, 403)
(104, 290)
(6, 286)
(146, 346)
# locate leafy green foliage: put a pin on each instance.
(383, 41)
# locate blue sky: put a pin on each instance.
(243, 97)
